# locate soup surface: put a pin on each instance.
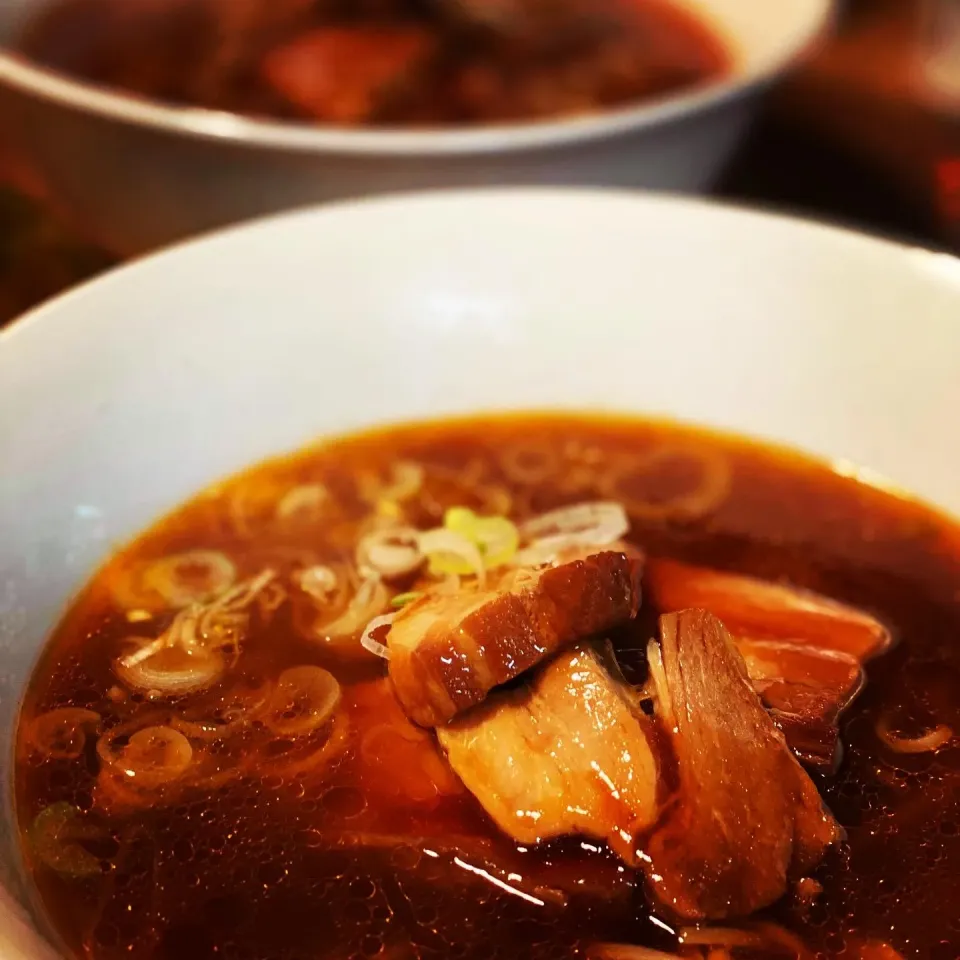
(382, 62)
(210, 763)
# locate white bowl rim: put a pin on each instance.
(943, 265)
(198, 123)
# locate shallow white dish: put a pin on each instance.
(122, 398)
(134, 174)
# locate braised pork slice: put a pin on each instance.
(449, 650)
(745, 816)
(567, 753)
(804, 652)
(805, 689)
(760, 609)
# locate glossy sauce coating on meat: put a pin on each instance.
(565, 754)
(363, 843)
(746, 816)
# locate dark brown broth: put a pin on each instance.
(178, 51)
(246, 869)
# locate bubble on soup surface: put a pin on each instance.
(357, 912)
(362, 888)
(426, 914)
(346, 802)
(371, 946)
(183, 850)
(406, 857)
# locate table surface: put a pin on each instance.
(846, 139)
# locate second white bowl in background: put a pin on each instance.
(135, 174)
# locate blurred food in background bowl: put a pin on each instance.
(423, 64)
(158, 158)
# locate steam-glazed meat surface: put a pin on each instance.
(447, 651)
(566, 754)
(745, 815)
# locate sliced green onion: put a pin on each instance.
(497, 538)
(52, 835)
(402, 599)
(452, 552)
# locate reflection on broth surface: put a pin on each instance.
(537, 685)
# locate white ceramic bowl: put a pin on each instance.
(135, 175)
(122, 398)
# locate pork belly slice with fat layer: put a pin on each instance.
(744, 816)
(449, 650)
(565, 754)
